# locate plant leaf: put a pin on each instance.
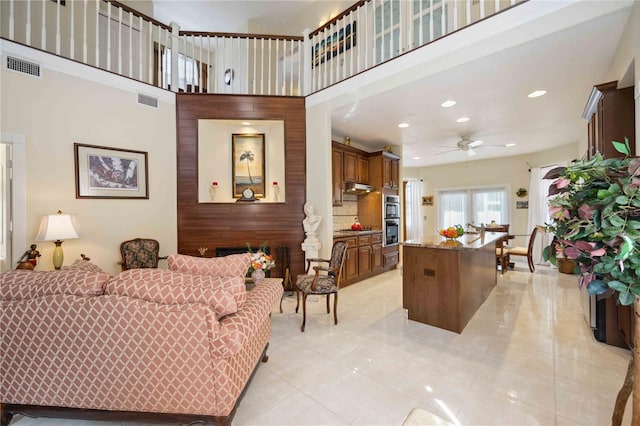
(626, 298)
(618, 286)
(554, 173)
(597, 287)
(622, 148)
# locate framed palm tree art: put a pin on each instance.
(248, 151)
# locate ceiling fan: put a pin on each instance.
(467, 145)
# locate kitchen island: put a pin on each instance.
(444, 283)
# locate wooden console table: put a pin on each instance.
(445, 282)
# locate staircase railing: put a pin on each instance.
(112, 36)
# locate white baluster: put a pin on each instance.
(481, 9)
(497, 6)
(120, 40)
(455, 16)
(140, 34)
(269, 79)
(97, 60)
(443, 19)
(130, 45)
(72, 47)
(302, 59)
(28, 24)
(262, 68)
(255, 60)
(277, 66)
(84, 32)
(209, 63)
(58, 35)
(108, 36)
(200, 68)
(43, 26)
(150, 50)
(392, 53)
(383, 29)
(353, 46)
(431, 11)
(11, 19)
(366, 49)
(291, 62)
(468, 12)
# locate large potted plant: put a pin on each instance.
(595, 216)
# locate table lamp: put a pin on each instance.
(58, 227)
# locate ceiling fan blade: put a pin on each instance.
(445, 152)
(474, 144)
(470, 152)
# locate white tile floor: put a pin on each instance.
(526, 358)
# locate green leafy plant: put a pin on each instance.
(595, 217)
(596, 221)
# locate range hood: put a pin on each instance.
(358, 188)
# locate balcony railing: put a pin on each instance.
(109, 35)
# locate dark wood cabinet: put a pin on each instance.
(351, 262)
(376, 252)
(611, 115)
(391, 256)
(391, 172)
(356, 167)
(366, 257)
(384, 170)
(337, 160)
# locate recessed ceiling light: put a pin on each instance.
(403, 125)
(246, 123)
(462, 119)
(537, 93)
(510, 144)
(447, 104)
(415, 158)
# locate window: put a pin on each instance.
(473, 205)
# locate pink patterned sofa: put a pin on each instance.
(181, 343)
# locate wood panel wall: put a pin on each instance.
(215, 225)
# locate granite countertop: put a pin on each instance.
(469, 241)
(349, 233)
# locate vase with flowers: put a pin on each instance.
(260, 262)
(595, 217)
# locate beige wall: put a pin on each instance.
(58, 110)
(510, 171)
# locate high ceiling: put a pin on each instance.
(492, 91)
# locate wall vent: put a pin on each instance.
(22, 66)
(147, 100)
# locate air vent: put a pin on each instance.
(22, 66)
(147, 100)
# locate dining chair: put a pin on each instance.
(325, 280)
(525, 251)
(140, 253)
(502, 255)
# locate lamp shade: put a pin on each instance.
(58, 227)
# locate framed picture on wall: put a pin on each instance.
(248, 163)
(104, 172)
(522, 204)
(427, 200)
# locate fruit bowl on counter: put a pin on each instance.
(452, 232)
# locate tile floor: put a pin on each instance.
(526, 358)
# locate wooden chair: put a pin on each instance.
(326, 283)
(502, 255)
(525, 251)
(140, 253)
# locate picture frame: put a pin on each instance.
(248, 163)
(427, 200)
(522, 204)
(106, 172)
(336, 43)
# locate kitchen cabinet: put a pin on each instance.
(391, 172)
(337, 160)
(391, 256)
(365, 256)
(355, 167)
(610, 112)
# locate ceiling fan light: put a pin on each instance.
(462, 120)
(403, 125)
(536, 93)
(510, 145)
(448, 104)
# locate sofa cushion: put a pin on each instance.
(84, 265)
(24, 284)
(234, 265)
(225, 295)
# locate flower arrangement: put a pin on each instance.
(260, 259)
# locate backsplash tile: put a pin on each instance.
(344, 215)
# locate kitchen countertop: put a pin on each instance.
(469, 241)
(349, 233)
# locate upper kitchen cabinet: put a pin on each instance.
(384, 170)
(356, 166)
(610, 112)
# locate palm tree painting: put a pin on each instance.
(248, 163)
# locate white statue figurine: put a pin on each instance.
(310, 223)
